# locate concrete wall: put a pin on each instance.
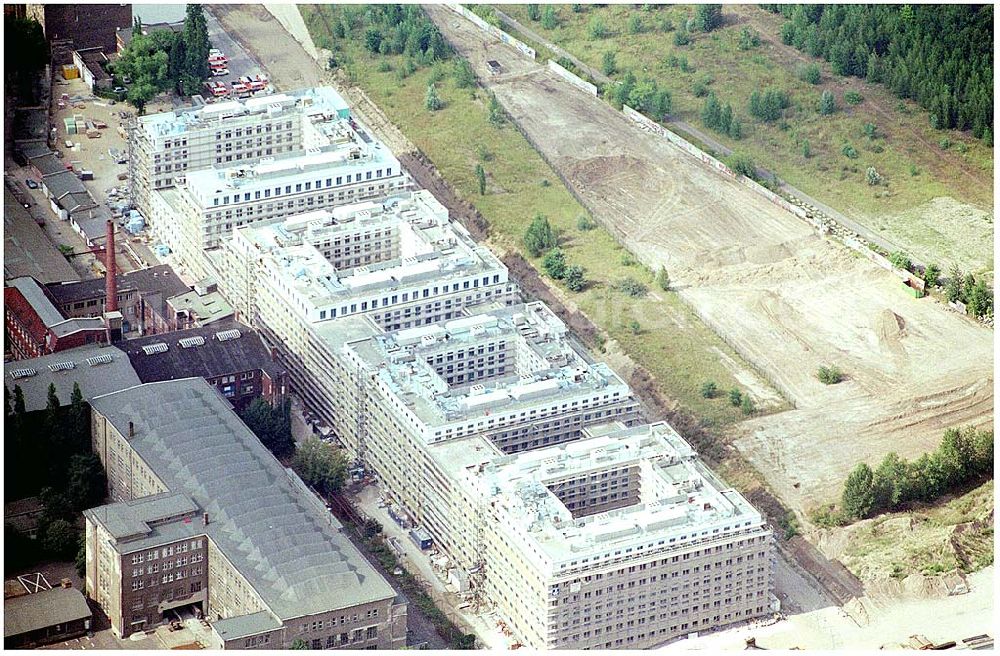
(526, 50)
(573, 79)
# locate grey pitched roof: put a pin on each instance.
(94, 380)
(245, 625)
(48, 164)
(160, 278)
(32, 148)
(60, 184)
(41, 609)
(78, 200)
(266, 522)
(39, 300)
(213, 358)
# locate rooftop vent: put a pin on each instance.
(227, 335)
(153, 349)
(100, 359)
(62, 366)
(23, 373)
(189, 342)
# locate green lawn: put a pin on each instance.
(672, 343)
(906, 152)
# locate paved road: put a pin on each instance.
(709, 141)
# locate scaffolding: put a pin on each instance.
(361, 419)
(477, 575)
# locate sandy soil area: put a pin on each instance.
(787, 299)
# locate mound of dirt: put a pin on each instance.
(889, 327)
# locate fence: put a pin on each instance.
(573, 79)
(492, 30)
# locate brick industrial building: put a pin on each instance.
(203, 516)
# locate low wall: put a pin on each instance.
(572, 78)
(492, 30)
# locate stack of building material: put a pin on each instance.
(70, 125)
(70, 72)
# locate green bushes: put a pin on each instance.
(742, 164)
(539, 236)
(768, 106)
(900, 260)
(810, 74)
(829, 375)
(827, 104)
(554, 264)
(631, 287)
(709, 389)
(853, 98)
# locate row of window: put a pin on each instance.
(300, 187)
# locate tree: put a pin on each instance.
(900, 260)
(742, 164)
(549, 17)
(320, 465)
(634, 25)
(746, 405)
(811, 74)
(432, 102)
(53, 417)
(711, 111)
(890, 482)
(735, 129)
(61, 540)
(574, 279)
(496, 112)
(481, 179)
(25, 44)
(827, 103)
(299, 643)
(534, 13)
(709, 389)
(708, 17)
(608, 63)
(952, 290)
(931, 274)
(196, 45)
(663, 279)
(85, 481)
(662, 104)
(735, 397)
(272, 426)
(539, 237)
(858, 497)
(139, 94)
(79, 421)
(555, 263)
(81, 558)
(980, 299)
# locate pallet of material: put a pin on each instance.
(93, 134)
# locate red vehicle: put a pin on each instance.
(258, 83)
(240, 89)
(217, 59)
(218, 89)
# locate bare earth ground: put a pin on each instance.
(787, 299)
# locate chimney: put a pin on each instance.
(204, 519)
(274, 354)
(131, 429)
(111, 276)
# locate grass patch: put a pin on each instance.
(674, 345)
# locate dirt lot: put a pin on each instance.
(785, 298)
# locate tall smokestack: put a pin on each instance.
(111, 280)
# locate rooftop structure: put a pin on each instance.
(197, 471)
(97, 369)
(531, 368)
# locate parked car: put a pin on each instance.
(31, 184)
(219, 72)
(120, 90)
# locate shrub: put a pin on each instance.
(827, 105)
(635, 25)
(944, 143)
(681, 38)
(464, 76)
(634, 327)
(914, 171)
(667, 25)
(534, 13)
(707, 17)
(574, 279)
(853, 97)
(931, 274)
(828, 517)
(810, 74)
(870, 130)
(872, 176)
(849, 152)
(742, 164)
(900, 260)
(481, 179)
(748, 39)
(555, 264)
(709, 389)
(384, 66)
(631, 287)
(747, 406)
(663, 279)
(549, 17)
(700, 88)
(608, 63)
(585, 223)
(829, 375)
(432, 102)
(596, 28)
(768, 106)
(735, 397)
(806, 152)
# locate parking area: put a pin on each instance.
(239, 62)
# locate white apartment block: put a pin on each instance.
(620, 540)
(166, 146)
(311, 281)
(511, 376)
(341, 166)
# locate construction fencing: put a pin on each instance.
(573, 79)
(492, 30)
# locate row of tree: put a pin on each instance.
(976, 294)
(939, 55)
(720, 117)
(394, 30)
(642, 95)
(165, 60)
(965, 455)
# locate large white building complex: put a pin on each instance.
(486, 424)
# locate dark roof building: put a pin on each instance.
(124, 34)
(35, 327)
(80, 26)
(44, 617)
(230, 356)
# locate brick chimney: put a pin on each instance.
(111, 276)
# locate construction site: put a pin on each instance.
(786, 298)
